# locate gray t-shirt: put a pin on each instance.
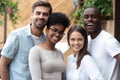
(46, 64)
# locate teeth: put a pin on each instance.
(76, 46)
(90, 24)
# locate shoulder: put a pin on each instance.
(107, 35)
(16, 34)
(34, 52)
(35, 48)
(21, 31)
(58, 50)
(107, 38)
(70, 57)
(110, 40)
(87, 59)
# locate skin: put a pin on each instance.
(39, 17)
(76, 42)
(92, 23)
(53, 37)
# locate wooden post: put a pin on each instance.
(117, 19)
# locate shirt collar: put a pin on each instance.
(29, 30)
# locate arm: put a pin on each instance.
(113, 48)
(10, 49)
(118, 57)
(91, 69)
(35, 64)
(4, 64)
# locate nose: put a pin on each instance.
(89, 18)
(41, 15)
(57, 33)
(76, 42)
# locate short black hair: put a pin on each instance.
(58, 18)
(94, 8)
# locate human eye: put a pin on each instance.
(85, 16)
(72, 39)
(38, 13)
(54, 30)
(61, 32)
(80, 39)
(45, 14)
(94, 16)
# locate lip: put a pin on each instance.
(56, 39)
(40, 21)
(90, 25)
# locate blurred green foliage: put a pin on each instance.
(105, 6)
(12, 12)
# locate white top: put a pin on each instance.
(103, 49)
(46, 64)
(86, 71)
(36, 39)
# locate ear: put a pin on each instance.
(31, 15)
(46, 30)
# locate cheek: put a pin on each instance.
(82, 44)
(85, 20)
(96, 21)
(70, 43)
(60, 37)
(46, 18)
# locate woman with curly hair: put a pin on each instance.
(45, 61)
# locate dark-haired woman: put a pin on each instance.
(45, 61)
(80, 65)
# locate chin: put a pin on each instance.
(76, 50)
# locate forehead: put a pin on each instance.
(76, 34)
(58, 27)
(42, 9)
(89, 11)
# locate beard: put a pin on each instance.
(40, 25)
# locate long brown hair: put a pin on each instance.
(83, 51)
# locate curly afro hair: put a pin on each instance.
(58, 18)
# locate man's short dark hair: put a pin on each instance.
(42, 3)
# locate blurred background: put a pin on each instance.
(16, 13)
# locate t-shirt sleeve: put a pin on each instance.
(11, 46)
(112, 46)
(35, 64)
(91, 69)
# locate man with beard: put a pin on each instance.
(103, 47)
(14, 59)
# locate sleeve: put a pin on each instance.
(11, 46)
(35, 64)
(112, 46)
(91, 69)
(61, 54)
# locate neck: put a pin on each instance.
(47, 45)
(94, 35)
(35, 31)
(75, 54)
